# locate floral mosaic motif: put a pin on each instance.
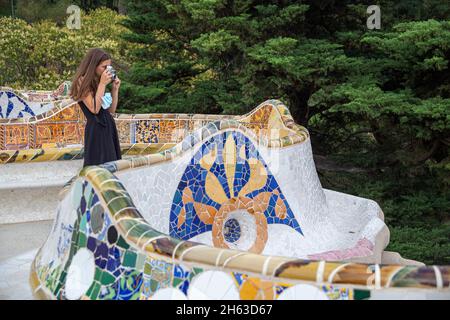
(226, 178)
(16, 106)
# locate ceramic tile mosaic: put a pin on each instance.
(227, 183)
(57, 128)
(208, 207)
(98, 251)
(125, 229)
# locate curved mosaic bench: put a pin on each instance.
(35, 146)
(53, 127)
(158, 226)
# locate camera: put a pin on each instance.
(112, 71)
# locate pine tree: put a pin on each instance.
(220, 56)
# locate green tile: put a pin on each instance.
(82, 240)
(121, 243)
(147, 268)
(196, 271)
(361, 294)
(154, 285)
(140, 229)
(83, 222)
(107, 278)
(63, 276)
(177, 281)
(91, 288)
(118, 204)
(58, 287)
(129, 259)
(95, 291)
(98, 274)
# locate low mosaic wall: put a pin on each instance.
(53, 127)
(109, 242)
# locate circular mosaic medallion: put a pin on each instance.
(240, 224)
(231, 230)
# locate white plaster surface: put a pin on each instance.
(303, 292)
(80, 274)
(14, 277)
(152, 188)
(19, 244)
(329, 220)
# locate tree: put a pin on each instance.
(378, 99)
(41, 55)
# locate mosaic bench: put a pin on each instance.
(234, 210)
(41, 126)
(40, 130)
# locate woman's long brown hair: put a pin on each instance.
(85, 80)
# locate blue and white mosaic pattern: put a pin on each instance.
(194, 180)
(13, 106)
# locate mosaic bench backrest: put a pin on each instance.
(58, 133)
(101, 247)
(24, 104)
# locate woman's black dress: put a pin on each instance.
(101, 141)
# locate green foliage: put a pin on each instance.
(36, 10)
(425, 244)
(416, 210)
(379, 100)
(42, 55)
(95, 4)
(55, 10)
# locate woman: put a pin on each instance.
(101, 141)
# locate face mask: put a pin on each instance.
(106, 100)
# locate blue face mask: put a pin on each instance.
(106, 100)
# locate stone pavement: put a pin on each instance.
(19, 244)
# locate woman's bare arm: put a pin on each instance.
(89, 99)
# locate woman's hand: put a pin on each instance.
(116, 85)
(106, 77)
(115, 95)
